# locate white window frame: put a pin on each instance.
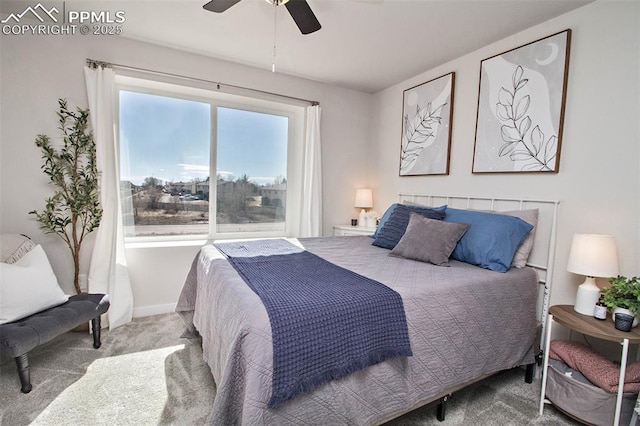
(295, 151)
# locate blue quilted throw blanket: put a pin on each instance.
(326, 321)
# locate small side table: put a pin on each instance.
(348, 230)
(590, 326)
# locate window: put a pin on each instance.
(198, 163)
(251, 183)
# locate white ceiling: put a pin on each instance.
(366, 45)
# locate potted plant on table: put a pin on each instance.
(623, 296)
(73, 211)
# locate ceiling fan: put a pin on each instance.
(298, 9)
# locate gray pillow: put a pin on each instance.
(429, 240)
(396, 225)
(522, 254)
(14, 246)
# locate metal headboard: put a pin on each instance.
(543, 253)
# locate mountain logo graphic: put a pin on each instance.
(38, 11)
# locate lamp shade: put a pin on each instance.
(593, 255)
(364, 199)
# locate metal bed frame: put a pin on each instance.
(543, 253)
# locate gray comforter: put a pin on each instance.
(464, 324)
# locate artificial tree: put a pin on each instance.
(73, 211)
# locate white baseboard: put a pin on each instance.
(147, 311)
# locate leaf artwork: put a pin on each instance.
(523, 143)
(419, 133)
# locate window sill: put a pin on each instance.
(165, 243)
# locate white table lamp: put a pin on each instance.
(593, 256)
(364, 200)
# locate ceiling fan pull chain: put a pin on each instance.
(275, 20)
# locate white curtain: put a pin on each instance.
(311, 211)
(108, 270)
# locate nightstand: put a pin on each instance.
(589, 326)
(348, 230)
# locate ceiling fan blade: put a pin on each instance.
(219, 6)
(303, 16)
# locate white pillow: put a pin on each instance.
(28, 286)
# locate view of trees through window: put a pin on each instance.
(165, 167)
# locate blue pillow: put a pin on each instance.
(384, 219)
(492, 239)
(390, 233)
(392, 207)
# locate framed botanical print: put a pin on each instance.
(521, 108)
(427, 111)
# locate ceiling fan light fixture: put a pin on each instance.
(277, 2)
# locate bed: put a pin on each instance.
(464, 324)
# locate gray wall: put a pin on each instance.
(598, 182)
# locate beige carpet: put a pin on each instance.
(145, 374)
